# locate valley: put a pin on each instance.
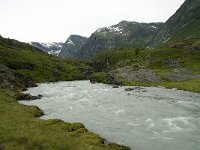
(152, 55)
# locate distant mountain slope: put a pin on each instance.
(53, 48)
(183, 24)
(123, 35)
(72, 46)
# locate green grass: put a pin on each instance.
(21, 129)
(40, 66)
(188, 85)
(100, 77)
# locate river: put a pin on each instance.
(144, 119)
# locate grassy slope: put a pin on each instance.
(154, 60)
(38, 65)
(20, 129)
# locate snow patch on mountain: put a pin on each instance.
(54, 52)
(115, 29)
(153, 27)
(70, 42)
(53, 48)
(107, 30)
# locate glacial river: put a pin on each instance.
(146, 119)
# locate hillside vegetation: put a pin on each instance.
(177, 66)
(185, 23)
(20, 59)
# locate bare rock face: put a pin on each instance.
(180, 74)
(11, 80)
(140, 75)
(71, 47)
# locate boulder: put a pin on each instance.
(22, 96)
(129, 89)
(115, 86)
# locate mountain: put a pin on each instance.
(185, 23)
(122, 35)
(72, 46)
(53, 48)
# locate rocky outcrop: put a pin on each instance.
(22, 96)
(140, 75)
(180, 74)
(12, 80)
(128, 74)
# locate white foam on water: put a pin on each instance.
(133, 124)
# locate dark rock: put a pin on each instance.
(28, 97)
(40, 96)
(144, 91)
(105, 142)
(92, 81)
(173, 63)
(2, 147)
(129, 89)
(13, 80)
(25, 80)
(114, 80)
(24, 89)
(115, 86)
(138, 88)
(56, 74)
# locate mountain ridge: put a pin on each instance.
(72, 45)
(184, 23)
(125, 34)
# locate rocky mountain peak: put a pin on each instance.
(72, 46)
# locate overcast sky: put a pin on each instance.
(55, 20)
